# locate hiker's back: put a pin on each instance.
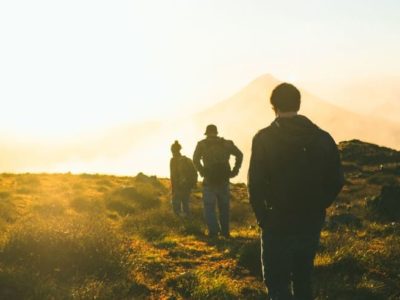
(297, 157)
(186, 173)
(215, 155)
(297, 178)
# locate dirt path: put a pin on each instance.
(172, 266)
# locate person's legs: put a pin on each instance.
(303, 264)
(185, 202)
(209, 200)
(176, 203)
(223, 200)
(276, 261)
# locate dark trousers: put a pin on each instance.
(180, 201)
(287, 264)
(217, 196)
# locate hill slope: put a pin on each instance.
(88, 236)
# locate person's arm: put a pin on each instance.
(334, 176)
(172, 174)
(238, 159)
(257, 181)
(197, 156)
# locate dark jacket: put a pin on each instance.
(179, 180)
(284, 201)
(201, 157)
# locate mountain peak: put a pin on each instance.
(266, 80)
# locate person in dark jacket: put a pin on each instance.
(183, 178)
(294, 175)
(211, 159)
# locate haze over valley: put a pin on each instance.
(144, 147)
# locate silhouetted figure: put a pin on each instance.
(183, 179)
(295, 174)
(211, 159)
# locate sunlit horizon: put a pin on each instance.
(84, 82)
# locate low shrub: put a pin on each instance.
(127, 200)
(387, 204)
(65, 247)
(85, 204)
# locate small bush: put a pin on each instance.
(84, 204)
(64, 247)
(151, 181)
(387, 204)
(128, 199)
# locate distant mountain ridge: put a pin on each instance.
(145, 147)
(242, 115)
(251, 108)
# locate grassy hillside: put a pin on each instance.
(103, 237)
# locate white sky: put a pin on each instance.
(73, 66)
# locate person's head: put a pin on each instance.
(211, 130)
(285, 98)
(176, 148)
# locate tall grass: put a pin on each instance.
(64, 250)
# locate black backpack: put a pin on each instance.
(216, 161)
(299, 177)
(187, 172)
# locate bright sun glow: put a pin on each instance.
(71, 72)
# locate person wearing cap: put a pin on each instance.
(294, 176)
(211, 159)
(183, 178)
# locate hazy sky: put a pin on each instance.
(73, 66)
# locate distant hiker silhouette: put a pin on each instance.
(183, 179)
(295, 174)
(211, 158)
